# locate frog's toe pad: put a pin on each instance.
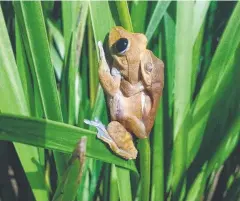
(102, 132)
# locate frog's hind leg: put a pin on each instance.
(135, 125)
(122, 138)
(116, 136)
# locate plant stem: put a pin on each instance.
(144, 149)
(124, 15)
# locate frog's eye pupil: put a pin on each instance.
(122, 45)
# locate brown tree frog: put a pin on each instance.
(133, 83)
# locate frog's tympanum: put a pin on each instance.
(133, 83)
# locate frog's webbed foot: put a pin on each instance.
(103, 134)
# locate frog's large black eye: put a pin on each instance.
(122, 45)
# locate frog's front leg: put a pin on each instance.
(110, 80)
(129, 89)
(117, 137)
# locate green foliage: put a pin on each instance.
(49, 84)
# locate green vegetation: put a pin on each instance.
(49, 84)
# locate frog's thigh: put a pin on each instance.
(136, 126)
(123, 139)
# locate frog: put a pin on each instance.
(133, 82)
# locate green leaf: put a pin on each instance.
(101, 26)
(157, 168)
(13, 101)
(124, 185)
(24, 71)
(138, 15)
(70, 12)
(68, 84)
(32, 27)
(33, 30)
(56, 136)
(157, 192)
(93, 64)
(213, 85)
(67, 188)
(114, 195)
(57, 37)
(182, 91)
(145, 168)
(156, 18)
(124, 15)
(169, 44)
(200, 12)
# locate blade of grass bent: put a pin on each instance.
(13, 101)
(52, 135)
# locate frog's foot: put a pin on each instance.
(103, 134)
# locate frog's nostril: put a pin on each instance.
(122, 45)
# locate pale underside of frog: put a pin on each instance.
(133, 83)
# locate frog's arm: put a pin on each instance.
(129, 90)
(110, 82)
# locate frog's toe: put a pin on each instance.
(102, 132)
(101, 51)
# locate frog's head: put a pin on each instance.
(126, 47)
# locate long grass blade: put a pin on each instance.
(67, 188)
(124, 15)
(157, 16)
(182, 90)
(205, 100)
(139, 15)
(124, 185)
(52, 135)
(32, 26)
(13, 101)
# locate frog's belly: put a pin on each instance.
(121, 106)
(116, 106)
